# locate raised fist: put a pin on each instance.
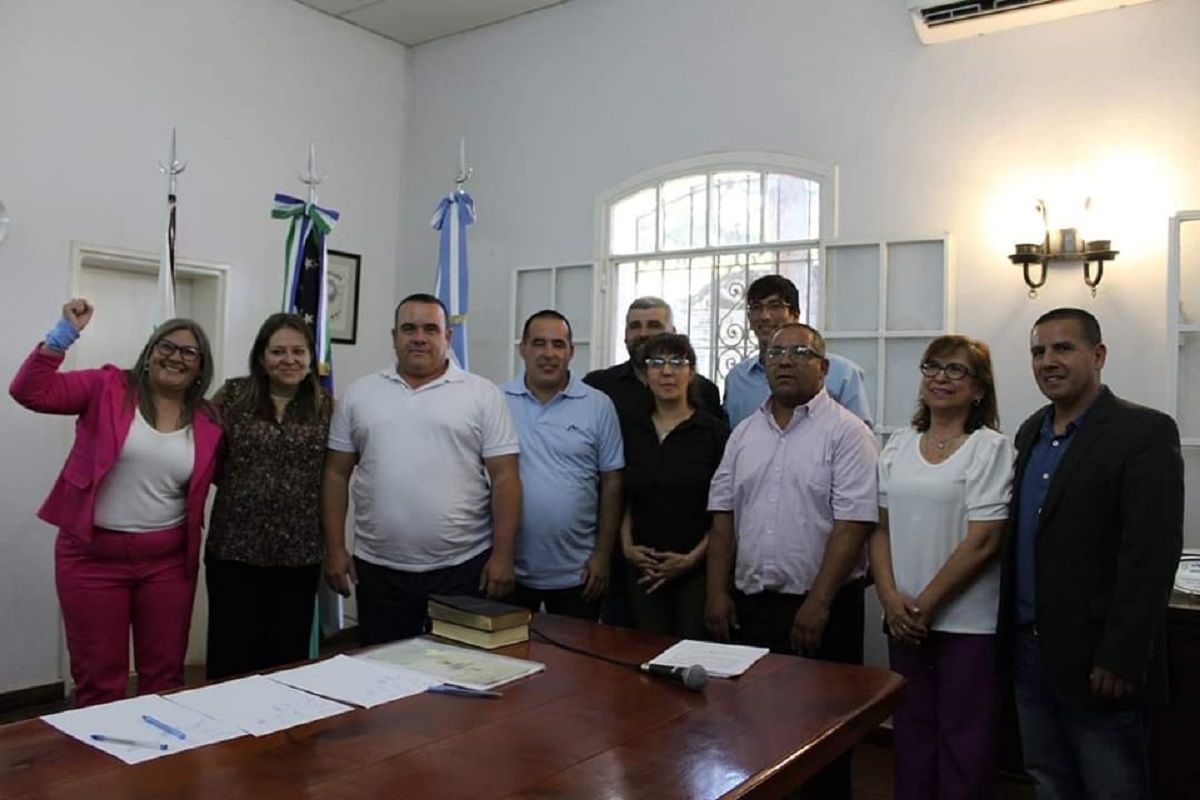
(78, 312)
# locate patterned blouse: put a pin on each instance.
(266, 510)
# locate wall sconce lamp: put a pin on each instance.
(1062, 245)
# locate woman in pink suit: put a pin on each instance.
(129, 502)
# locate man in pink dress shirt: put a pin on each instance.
(793, 502)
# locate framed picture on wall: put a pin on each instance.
(342, 278)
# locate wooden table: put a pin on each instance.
(581, 729)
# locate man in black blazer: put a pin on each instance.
(1097, 515)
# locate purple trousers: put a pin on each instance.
(945, 731)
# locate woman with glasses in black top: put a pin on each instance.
(670, 457)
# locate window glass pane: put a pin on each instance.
(632, 223)
(1191, 496)
(573, 297)
(682, 212)
(533, 294)
(736, 214)
(581, 364)
(791, 209)
(903, 380)
(852, 281)
(1189, 272)
(734, 341)
(801, 266)
(865, 353)
(915, 286)
(1187, 412)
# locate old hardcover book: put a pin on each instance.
(477, 612)
(488, 640)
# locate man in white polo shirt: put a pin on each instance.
(437, 492)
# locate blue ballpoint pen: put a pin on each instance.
(462, 691)
(100, 737)
(164, 727)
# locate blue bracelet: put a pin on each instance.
(61, 336)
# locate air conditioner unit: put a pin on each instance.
(945, 20)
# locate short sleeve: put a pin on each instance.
(990, 477)
(341, 424)
(887, 459)
(496, 423)
(720, 490)
(855, 473)
(612, 446)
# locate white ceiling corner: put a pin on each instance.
(413, 22)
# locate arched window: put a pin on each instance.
(698, 233)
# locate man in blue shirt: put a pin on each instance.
(1097, 512)
(571, 461)
(772, 301)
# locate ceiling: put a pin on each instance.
(413, 22)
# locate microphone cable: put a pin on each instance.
(694, 677)
(636, 667)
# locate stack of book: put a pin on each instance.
(478, 621)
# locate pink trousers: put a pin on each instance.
(117, 582)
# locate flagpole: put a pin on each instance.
(329, 610)
(166, 266)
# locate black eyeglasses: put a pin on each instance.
(167, 348)
(757, 307)
(797, 351)
(674, 362)
(954, 371)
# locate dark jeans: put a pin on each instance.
(765, 620)
(675, 608)
(1071, 752)
(258, 617)
(568, 602)
(393, 604)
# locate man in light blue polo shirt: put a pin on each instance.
(772, 301)
(571, 461)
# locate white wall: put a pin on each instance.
(961, 137)
(91, 91)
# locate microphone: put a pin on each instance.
(693, 677)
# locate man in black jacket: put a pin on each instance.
(1097, 515)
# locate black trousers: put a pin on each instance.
(765, 620)
(393, 604)
(676, 608)
(568, 602)
(258, 617)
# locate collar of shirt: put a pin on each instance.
(1047, 426)
(814, 407)
(453, 374)
(574, 390)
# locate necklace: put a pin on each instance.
(943, 445)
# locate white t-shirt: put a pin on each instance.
(929, 506)
(422, 498)
(146, 489)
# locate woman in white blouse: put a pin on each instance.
(944, 488)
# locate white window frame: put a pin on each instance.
(882, 334)
(578, 337)
(604, 315)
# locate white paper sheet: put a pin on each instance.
(461, 666)
(353, 680)
(258, 705)
(123, 719)
(719, 660)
